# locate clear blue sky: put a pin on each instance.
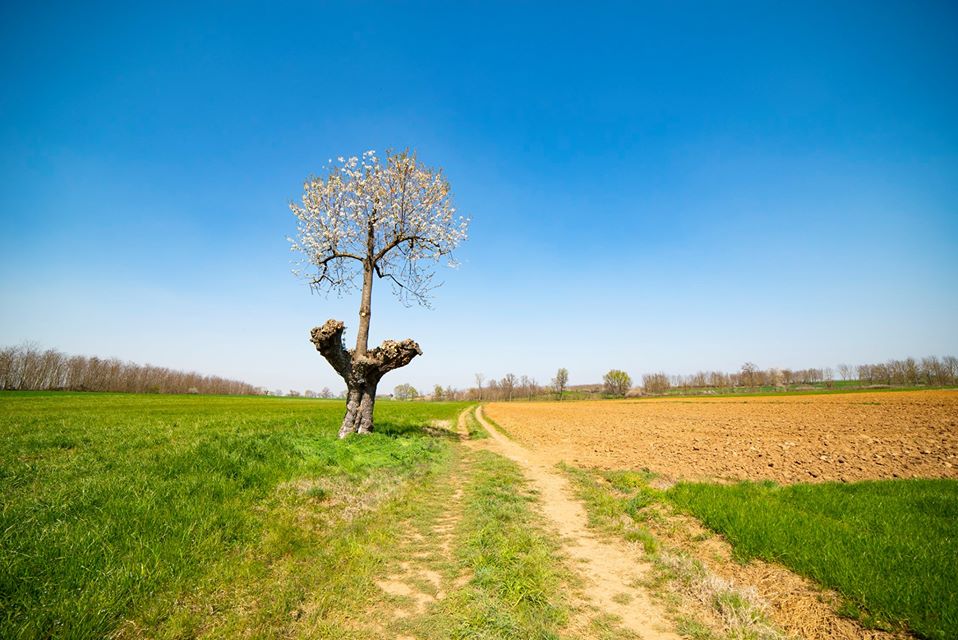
(667, 186)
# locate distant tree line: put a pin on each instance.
(749, 376)
(27, 367)
(931, 371)
(509, 387)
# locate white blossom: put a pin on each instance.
(391, 215)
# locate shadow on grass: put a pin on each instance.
(405, 430)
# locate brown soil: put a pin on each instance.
(811, 438)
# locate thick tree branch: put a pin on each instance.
(393, 355)
(323, 262)
(329, 342)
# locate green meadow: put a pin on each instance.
(889, 547)
(120, 509)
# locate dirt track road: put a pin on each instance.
(611, 573)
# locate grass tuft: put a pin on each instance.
(476, 430)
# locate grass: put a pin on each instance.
(888, 546)
(135, 514)
(476, 430)
(621, 493)
(515, 589)
(495, 425)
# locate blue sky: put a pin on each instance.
(667, 186)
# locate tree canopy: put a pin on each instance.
(389, 217)
(616, 382)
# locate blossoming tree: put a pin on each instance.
(370, 219)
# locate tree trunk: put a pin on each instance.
(362, 372)
(360, 402)
(365, 312)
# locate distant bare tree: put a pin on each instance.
(7, 374)
(560, 381)
(479, 379)
(775, 377)
(508, 385)
(949, 365)
(748, 374)
(655, 383)
(698, 379)
(533, 388)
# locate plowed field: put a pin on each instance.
(811, 438)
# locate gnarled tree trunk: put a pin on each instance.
(362, 372)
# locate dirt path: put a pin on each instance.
(612, 573)
(421, 578)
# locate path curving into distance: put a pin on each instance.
(612, 573)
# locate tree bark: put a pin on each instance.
(365, 312)
(360, 402)
(361, 372)
(366, 302)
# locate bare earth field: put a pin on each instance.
(811, 438)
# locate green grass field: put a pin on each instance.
(155, 516)
(889, 547)
(119, 509)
